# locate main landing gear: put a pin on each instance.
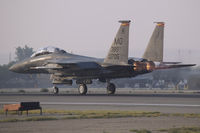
(82, 89)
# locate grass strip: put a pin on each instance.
(171, 130)
(103, 113)
(38, 118)
(182, 130)
(187, 115)
(140, 131)
(109, 113)
(75, 114)
(88, 114)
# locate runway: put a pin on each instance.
(110, 104)
(166, 103)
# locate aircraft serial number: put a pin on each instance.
(114, 56)
(115, 49)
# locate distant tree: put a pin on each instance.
(10, 79)
(5, 74)
(23, 52)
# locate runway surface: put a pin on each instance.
(166, 103)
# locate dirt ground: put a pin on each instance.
(113, 125)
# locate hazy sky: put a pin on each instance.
(89, 26)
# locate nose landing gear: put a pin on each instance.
(55, 90)
(111, 88)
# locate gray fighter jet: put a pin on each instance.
(65, 67)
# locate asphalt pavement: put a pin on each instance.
(166, 103)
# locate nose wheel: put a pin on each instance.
(82, 89)
(111, 88)
(55, 90)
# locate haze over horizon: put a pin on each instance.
(88, 27)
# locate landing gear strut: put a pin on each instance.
(111, 88)
(82, 89)
(55, 90)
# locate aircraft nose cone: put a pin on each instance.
(18, 68)
(13, 68)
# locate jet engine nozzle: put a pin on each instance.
(143, 66)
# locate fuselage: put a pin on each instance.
(88, 67)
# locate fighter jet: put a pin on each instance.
(65, 67)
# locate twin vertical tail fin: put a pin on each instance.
(154, 50)
(118, 53)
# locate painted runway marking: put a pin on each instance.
(111, 104)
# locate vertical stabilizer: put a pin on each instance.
(118, 53)
(154, 50)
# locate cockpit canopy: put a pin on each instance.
(48, 50)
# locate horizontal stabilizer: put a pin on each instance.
(171, 62)
(173, 66)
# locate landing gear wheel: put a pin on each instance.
(55, 90)
(111, 88)
(82, 89)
